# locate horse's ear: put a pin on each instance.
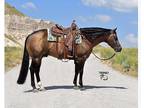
(115, 29)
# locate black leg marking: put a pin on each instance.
(76, 75)
(79, 65)
(32, 75)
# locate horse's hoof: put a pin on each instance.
(76, 87)
(41, 89)
(35, 90)
(82, 88)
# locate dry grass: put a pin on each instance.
(13, 56)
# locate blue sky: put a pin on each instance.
(87, 13)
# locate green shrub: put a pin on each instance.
(126, 61)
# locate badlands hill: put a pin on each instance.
(18, 26)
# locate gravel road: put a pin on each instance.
(119, 91)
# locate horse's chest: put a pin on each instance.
(83, 49)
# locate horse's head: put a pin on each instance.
(96, 35)
(113, 41)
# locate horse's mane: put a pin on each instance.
(94, 31)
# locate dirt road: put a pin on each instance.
(119, 91)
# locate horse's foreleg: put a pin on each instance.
(81, 67)
(80, 78)
(78, 70)
(76, 75)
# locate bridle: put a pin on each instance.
(93, 51)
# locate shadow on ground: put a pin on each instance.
(72, 87)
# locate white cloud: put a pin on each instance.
(94, 2)
(103, 18)
(134, 22)
(99, 17)
(29, 5)
(131, 40)
(82, 19)
(117, 5)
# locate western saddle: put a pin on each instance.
(59, 30)
(68, 35)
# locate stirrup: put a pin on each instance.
(65, 60)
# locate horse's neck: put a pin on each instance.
(86, 46)
(97, 41)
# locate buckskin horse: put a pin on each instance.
(37, 46)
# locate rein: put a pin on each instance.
(104, 58)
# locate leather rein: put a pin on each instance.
(94, 53)
(104, 58)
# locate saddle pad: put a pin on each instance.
(78, 39)
(50, 36)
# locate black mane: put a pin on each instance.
(94, 31)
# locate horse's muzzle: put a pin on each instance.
(118, 49)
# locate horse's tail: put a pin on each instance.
(24, 66)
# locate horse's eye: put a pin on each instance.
(115, 37)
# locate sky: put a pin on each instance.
(122, 14)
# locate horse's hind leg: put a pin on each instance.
(35, 68)
(32, 71)
(37, 71)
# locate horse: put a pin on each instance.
(37, 46)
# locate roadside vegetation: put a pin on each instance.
(13, 56)
(126, 61)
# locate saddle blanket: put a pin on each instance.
(78, 39)
(52, 38)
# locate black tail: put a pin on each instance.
(24, 67)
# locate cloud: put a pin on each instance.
(29, 5)
(117, 5)
(103, 18)
(99, 17)
(131, 40)
(134, 22)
